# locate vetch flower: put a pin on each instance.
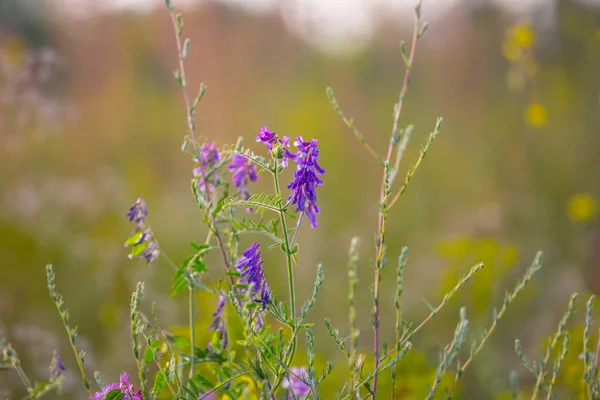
(243, 171)
(141, 240)
(278, 148)
(306, 179)
(56, 367)
(296, 386)
(124, 385)
(218, 323)
(208, 157)
(138, 212)
(251, 271)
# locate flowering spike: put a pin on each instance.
(251, 271)
(218, 322)
(306, 179)
(243, 171)
(141, 238)
(297, 388)
(208, 157)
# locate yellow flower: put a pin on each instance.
(597, 34)
(522, 35)
(582, 207)
(537, 115)
(511, 51)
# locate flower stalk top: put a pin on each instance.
(306, 179)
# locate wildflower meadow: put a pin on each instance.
(243, 312)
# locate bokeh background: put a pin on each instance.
(91, 119)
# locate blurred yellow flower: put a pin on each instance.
(14, 50)
(537, 115)
(511, 51)
(598, 34)
(522, 35)
(582, 207)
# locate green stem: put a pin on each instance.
(192, 331)
(287, 249)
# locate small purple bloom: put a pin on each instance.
(250, 268)
(306, 179)
(267, 137)
(124, 385)
(208, 157)
(218, 323)
(278, 148)
(56, 367)
(141, 238)
(138, 212)
(243, 171)
(296, 386)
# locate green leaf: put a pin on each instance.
(199, 247)
(186, 49)
(159, 382)
(114, 394)
(148, 357)
(138, 249)
(134, 238)
(199, 266)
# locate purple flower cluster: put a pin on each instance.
(251, 271)
(278, 148)
(296, 386)
(218, 323)
(306, 179)
(141, 239)
(243, 172)
(124, 385)
(208, 157)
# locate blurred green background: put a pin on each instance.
(91, 118)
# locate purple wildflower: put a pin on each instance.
(306, 179)
(141, 239)
(56, 367)
(208, 157)
(243, 171)
(250, 267)
(278, 148)
(296, 386)
(138, 212)
(124, 385)
(218, 323)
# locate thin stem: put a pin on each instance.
(350, 123)
(596, 363)
(300, 218)
(192, 331)
(20, 372)
(190, 113)
(287, 249)
(219, 386)
(384, 193)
